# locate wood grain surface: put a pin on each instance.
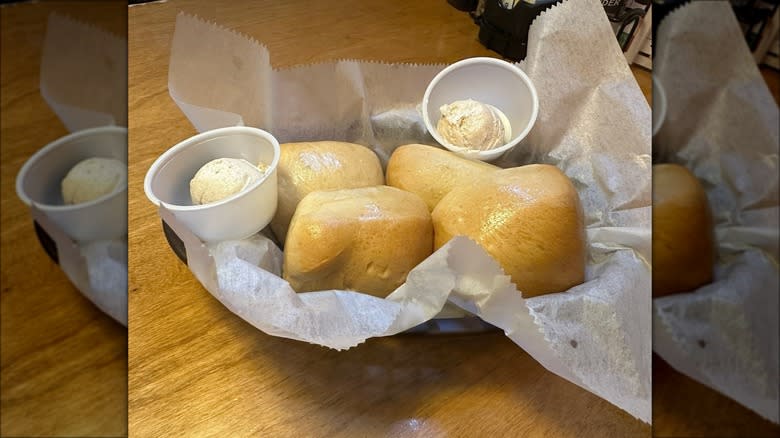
(772, 79)
(63, 363)
(197, 369)
(684, 408)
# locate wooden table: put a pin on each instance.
(195, 367)
(63, 362)
(684, 408)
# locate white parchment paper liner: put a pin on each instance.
(594, 123)
(84, 74)
(722, 124)
(83, 78)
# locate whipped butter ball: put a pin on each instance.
(93, 178)
(223, 177)
(472, 125)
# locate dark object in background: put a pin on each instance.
(613, 8)
(503, 26)
(628, 18)
(463, 5)
(753, 16)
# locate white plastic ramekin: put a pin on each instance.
(487, 80)
(235, 217)
(39, 182)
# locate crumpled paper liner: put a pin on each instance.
(594, 124)
(722, 124)
(84, 81)
(97, 269)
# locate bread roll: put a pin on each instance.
(528, 218)
(364, 239)
(92, 178)
(430, 172)
(683, 241)
(323, 165)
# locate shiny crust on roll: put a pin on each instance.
(430, 172)
(528, 218)
(322, 165)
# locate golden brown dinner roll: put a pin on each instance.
(683, 241)
(528, 218)
(322, 165)
(364, 239)
(430, 172)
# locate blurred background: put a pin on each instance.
(715, 218)
(63, 362)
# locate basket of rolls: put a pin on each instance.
(388, 209)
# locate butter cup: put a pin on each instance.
(487, 80)
(39, 183)
(167, 183)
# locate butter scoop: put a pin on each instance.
(223, 177)
(93, 178)
(473, 125)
